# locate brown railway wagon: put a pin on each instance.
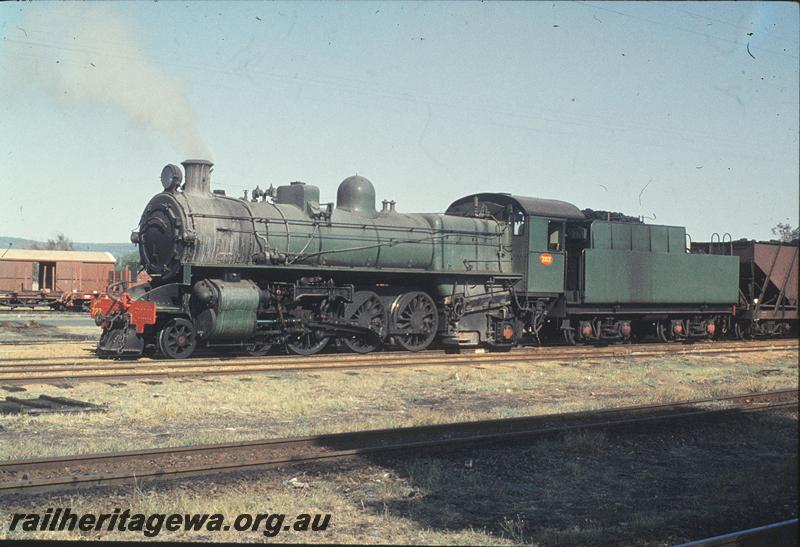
(55, 271)
(768, 284)
(50, 277)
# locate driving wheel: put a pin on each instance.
(414, 321)
(368, 311)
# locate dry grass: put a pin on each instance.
(268, 492)
(586, 488)
(581, 488)
(227, 409)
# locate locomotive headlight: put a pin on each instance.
(171, 177)
(755, 300)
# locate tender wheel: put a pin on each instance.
(414, 321)
(368, 311)
(663, 331)
(177, 340)
(743, 331)
(258, 349)
(569, 337)
(308, 343)
(670, 332)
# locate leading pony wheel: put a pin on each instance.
(177, 340)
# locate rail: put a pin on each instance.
(21, 371)
(91, 470)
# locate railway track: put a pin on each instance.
(29, 371)
(33, 341)
(778, 533)
(91, 470)
(85, 353)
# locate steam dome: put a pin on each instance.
(357, 195)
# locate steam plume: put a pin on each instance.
(89, 55)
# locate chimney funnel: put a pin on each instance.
(198, 176)
(391, 206)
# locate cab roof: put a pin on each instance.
(495, 204)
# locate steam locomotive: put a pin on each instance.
(279, 268)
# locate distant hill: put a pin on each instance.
(116, 249)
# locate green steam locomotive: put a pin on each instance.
(280, 269)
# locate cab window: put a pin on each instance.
(555, 232)
(519, 223)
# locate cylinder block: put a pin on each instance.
(227, 310)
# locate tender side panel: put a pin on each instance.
(633, 277)
(638, 237)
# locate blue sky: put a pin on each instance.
(654, 109)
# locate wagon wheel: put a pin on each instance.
(743, 331)
(368, 311)
(258, 349)
(177, 340)
(306, 343)
(414, 321)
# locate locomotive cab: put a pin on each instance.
(539, 236)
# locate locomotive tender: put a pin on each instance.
(283, 269)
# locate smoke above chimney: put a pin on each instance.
(101, 65)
